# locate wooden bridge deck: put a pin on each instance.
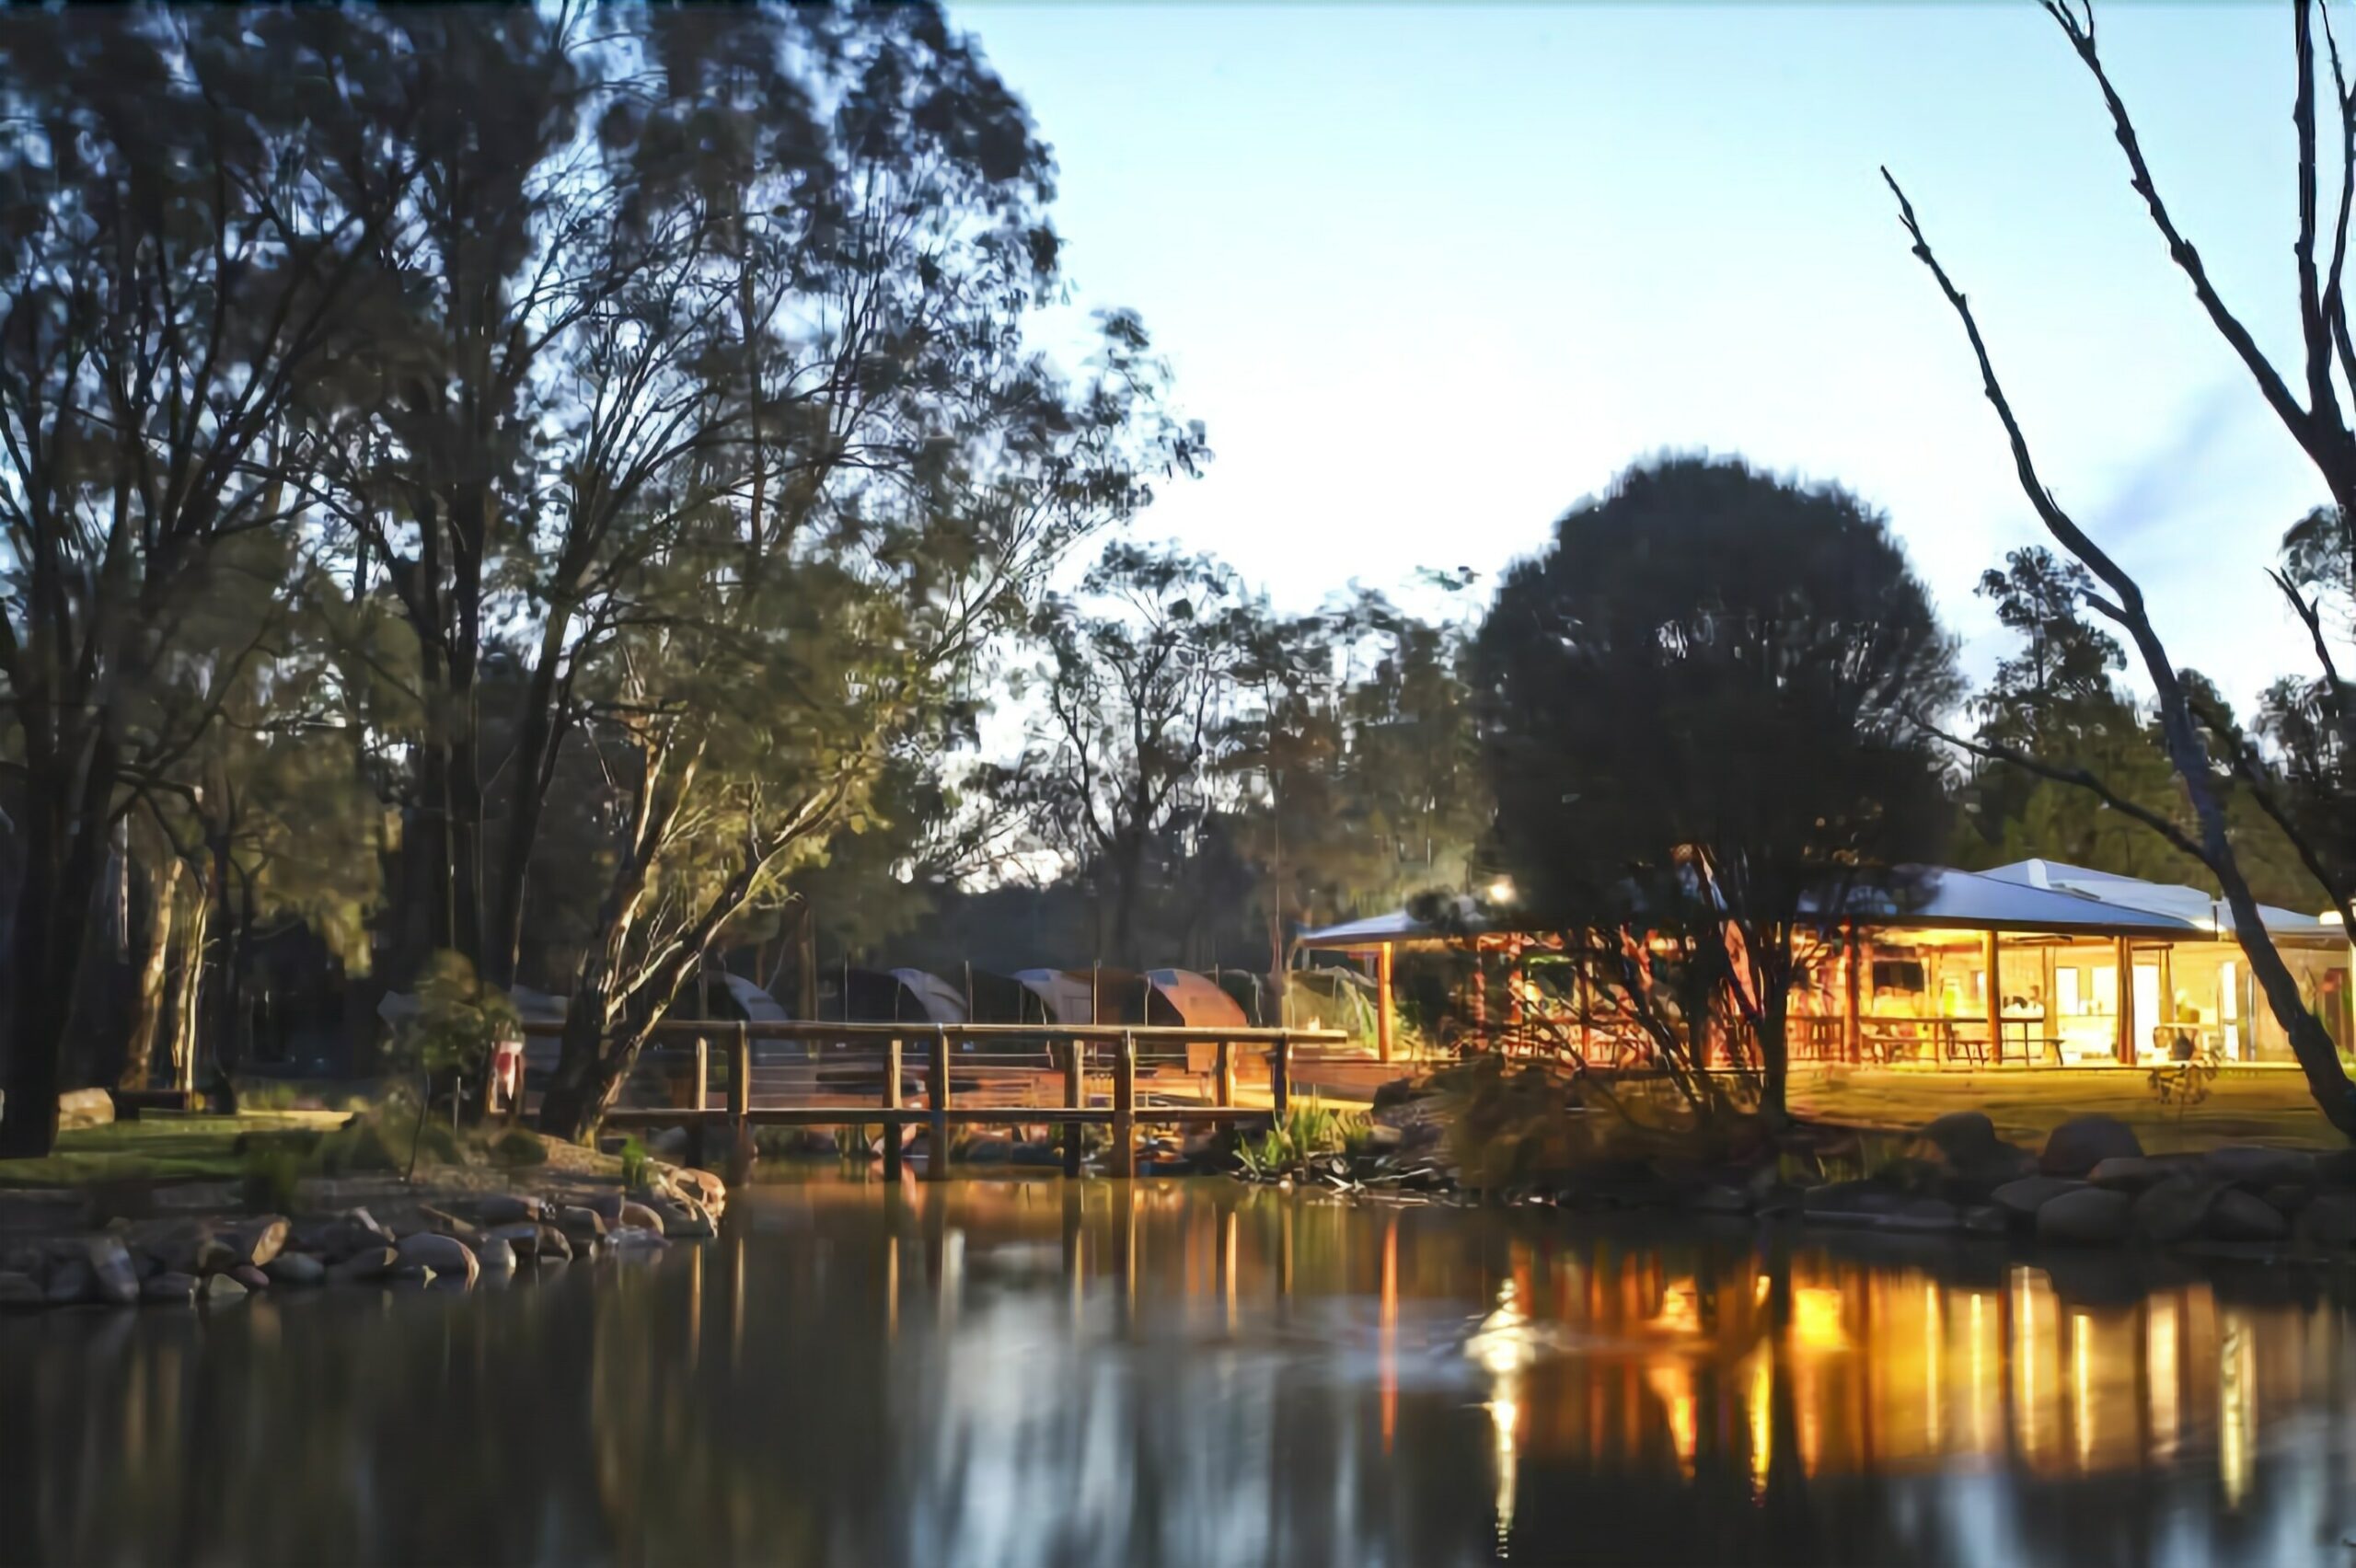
(778, 1074)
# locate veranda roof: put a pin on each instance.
(2195, 906)
(2007, 899)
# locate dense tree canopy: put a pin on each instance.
(1698, 712)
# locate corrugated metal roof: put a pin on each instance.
(2195, 905)
(2031, 896)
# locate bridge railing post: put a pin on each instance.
(1280, 1075)
(936, 1156)
(1075, 1053)
(892, 1128)
(1124, 1107)
(1224, 1087)
(740, 1102)
(699, 1150)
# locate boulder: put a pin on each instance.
(521, 1239)
(630, 1238)
(554, 1245)
(250, 1277)
(115, 1277)
(27, 1258)
(1964, 1137)
(2289, 1198)
(70, 1280)
(2128, 1173)
(508, 1209)
(2236, 1215)
(637, 1215)
(256, 1242)
(1851, 1197)
(1986, 1220)
(2079, 1143)
(2174, 1210)
(295, 1268)
(20, 1291)
(2089, 1217)
(2257, 1167)
(670, 1143)
(346, 1235)
(701, 1187)
(216, 1254)
(171, 1286)
(83, 1108)
(2329, 1219)
(684, 1219)
(445, 1255)
(360, 1267)
(2336, 1168)
(1719, 1198)
(1924, 1214)
(496, 1255)
(2022, 1199)
(989, 1151)
(446, 1224)
(583, 1224)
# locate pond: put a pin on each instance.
(1035, 1372)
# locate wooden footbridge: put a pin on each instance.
(939, 1076)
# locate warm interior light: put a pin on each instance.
(1501, 891)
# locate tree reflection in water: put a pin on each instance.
(1033, 1372)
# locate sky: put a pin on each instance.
(1431, 276)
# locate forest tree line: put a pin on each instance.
(569, 489)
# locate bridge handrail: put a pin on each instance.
(797, 1029)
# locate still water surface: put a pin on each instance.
(1189, 1372)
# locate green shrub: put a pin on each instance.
(636, 1164)
(271, 1171)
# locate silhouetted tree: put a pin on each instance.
(1695, 710)
(2206, 752)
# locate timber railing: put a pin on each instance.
(937, 1077)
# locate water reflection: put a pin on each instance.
(1050, 1373)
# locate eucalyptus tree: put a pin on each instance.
(1136, 697)
(2310, 400)
(176, 267)
(835, 497)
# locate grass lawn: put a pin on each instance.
(2268, 1108)
(154, 1149)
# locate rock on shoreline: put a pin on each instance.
(452, 1239)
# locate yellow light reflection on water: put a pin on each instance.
(2161, 1353)
(1815, 1317)
(2236, 1408)
(1762, 1417)
(1673, 1384)
(2082, 1403)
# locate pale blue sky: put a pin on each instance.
(1431, 275)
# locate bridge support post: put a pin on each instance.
(1280, 1075)
(1223, 1085)
(740, 1101)
(1075, 1098)
(699, 1153)
(1124, 1107)
(892, 1128)
(936, 1156)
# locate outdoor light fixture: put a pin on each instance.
(1501, 891)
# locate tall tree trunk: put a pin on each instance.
(188, 993)
(533, 767)
(66, 832)
(148, 1001)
